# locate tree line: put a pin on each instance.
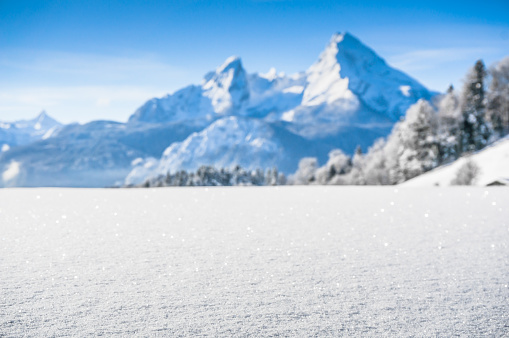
(210, 176)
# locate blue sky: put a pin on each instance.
(86, 60)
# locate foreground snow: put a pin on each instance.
(292, 261)
(493, 162)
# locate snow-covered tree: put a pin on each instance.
(357, 176)
(375, 168)
(334, 171)
(467, 174)
(498, 97)
(305, 174)
(448, 126)
(210, 176)
(273, 177)
(411, 148)
(475, 130)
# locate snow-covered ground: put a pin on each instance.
(291, 261)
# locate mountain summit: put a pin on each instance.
(350, 96)
(227, 87)
(23, 132)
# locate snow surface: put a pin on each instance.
(493, 162)
(290, 261)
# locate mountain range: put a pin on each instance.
(349, 97)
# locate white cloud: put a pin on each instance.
(434, 58)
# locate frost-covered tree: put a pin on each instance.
(498, 97)
(475, 129)
(273, 177)
(357, 176)
(467, 174)
(448, 126)
(334, 171)
(411, 148)
(375, 165)
(305, 173)
(210, 176)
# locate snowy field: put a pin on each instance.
(291, 261)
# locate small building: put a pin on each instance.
(499, 182)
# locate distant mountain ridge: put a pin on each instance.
(26, 131)
(348, 97)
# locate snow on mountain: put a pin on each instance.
(227, 87)
(185, 104)
(96, 154)
(248, 142)
(272, 94)
(223, 92)
(493, 162)
(324, 82)
(349, 97)
(382, 88)
(351, 85)
(25, 131)
(348, 84)
(142, 168)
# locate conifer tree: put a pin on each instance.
(475, 130)
(411, 148)
(498, 97)
(448, 126)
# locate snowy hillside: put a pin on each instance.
(26, 131)
(492, 161)
(349, 97)
(254, 262)
(250, 143)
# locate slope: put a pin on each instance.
(493, 162)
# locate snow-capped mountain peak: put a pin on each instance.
(325, 84)
(41, 122)
(227, 87)
(233, 62)
(351, 73)
(44, 121)
(22, 132)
